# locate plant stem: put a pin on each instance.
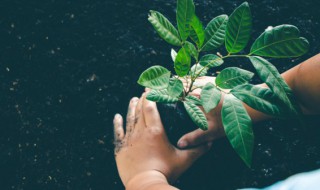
(221, 89)
(195, 69)
(193, 79)
(184, 90)
(229, 56)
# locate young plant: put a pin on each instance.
(283, 41)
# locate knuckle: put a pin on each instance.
(192, 136)
(134, 100)
(130, 118)
(149, 108)
(155, 131)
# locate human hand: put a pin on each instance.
(215, 127)
(144, 150)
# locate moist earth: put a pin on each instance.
(66, 67)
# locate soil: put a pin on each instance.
(175, 120)
(66, 67)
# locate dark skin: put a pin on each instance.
(147, 161)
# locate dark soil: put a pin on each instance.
(66, 67)
(176, 121)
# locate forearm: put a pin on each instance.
(304, 80)
(256, 115)
(150, 180)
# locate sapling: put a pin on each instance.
(196, 45)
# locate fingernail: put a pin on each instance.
(135, 99)
(182, 144)
(117, 116)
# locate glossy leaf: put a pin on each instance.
(215, 33)
(161, 96)
(194, 99)
(173, 55)
(199, 70)
(238, 127)
(270, 75)
(238, 29)
(210, 97)
(197, 32)
(156, 77)
(191, 50)
(196, 115)
(259, 98)
(280, 42)
(175, 87)
(185, 12)
(211, 60)
(182, 62)
(164, 28)
(232, 77)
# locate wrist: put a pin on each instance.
(146, 180)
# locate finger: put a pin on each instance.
(147, 89)
(186, 84)
(118, 127)
(191, 155)
(118, 133)
(139, 118)
(194, 138)
(151, 114)
(131, 114)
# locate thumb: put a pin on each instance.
(191, 155)
(192, 139)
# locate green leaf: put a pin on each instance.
(197, 116)
(232, 77)
(191, 50)
(175, 87)
(197, 33)
(185, 12)
(259, 98)
(164, 28)
(210, 97)
(215, 33)
(238, 29)
(156, 77)
(270, 75)
(173, 55)
(238, 127)
(182, 62)
(194, 99)
(211, 60)
(161, 96)
(280, 42)
(198, 69)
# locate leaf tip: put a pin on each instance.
(248, 163)
(224, 16)
(140, 80)
(245, 4)
(205, 128)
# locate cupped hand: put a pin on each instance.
(143, 146)
(215, 127)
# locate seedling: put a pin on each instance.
(193, 41)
